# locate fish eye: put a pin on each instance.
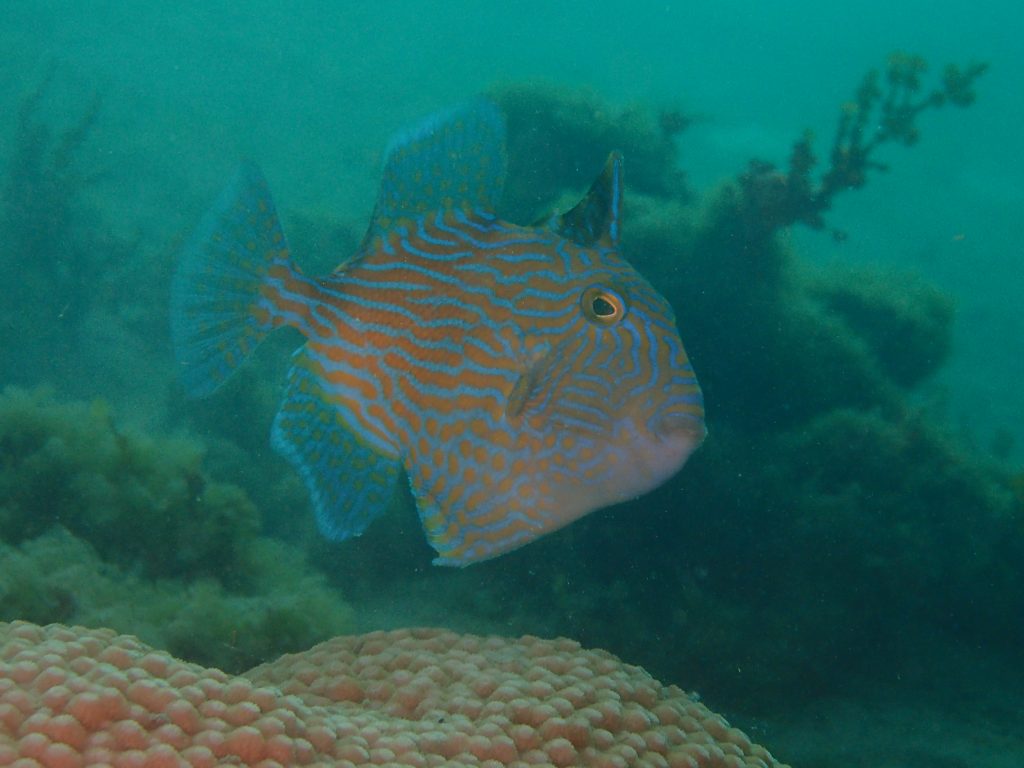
(602, 306)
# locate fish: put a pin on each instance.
(517, 377)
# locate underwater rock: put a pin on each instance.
(905, 523)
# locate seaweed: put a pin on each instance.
(906, 323)
(749, 309)
(43, 260)
(44, 182)
(825, 504)
(140, 500)
(62, 267)
(111, 526)
(883, 111)
(59, 577)
(558, 140)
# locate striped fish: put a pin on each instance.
(519, 377)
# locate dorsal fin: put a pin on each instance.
(455, 159)
(596, 217)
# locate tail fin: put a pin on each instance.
(219, 310)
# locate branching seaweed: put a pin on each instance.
(881, 113)
(59, 260)
(43, 181)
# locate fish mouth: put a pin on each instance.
(651, 451)
(674, 425)
(676, 431)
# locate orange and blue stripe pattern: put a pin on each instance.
(519, 377)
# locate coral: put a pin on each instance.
(72, 696)
(878, 115)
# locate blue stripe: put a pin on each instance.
(389, 330)
(422, 232)
(523, 278)
(337, 285)
(416, 365)
(464, 288)
(481, 245)
(409, 249)
(354, 398)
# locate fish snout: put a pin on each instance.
(675, 431)
(674, 424)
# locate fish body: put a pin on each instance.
(518, 376)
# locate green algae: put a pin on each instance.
(825, 515)
(106, 526)
(559, 138)
(798, 536)
(59, 577)
(141, 499)
(905, 322)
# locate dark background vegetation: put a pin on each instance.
(853, 529)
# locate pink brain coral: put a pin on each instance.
(423, 697)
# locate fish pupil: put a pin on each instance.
(602, 307)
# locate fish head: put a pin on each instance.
(610, 387)
(653, 403)
(612, 392)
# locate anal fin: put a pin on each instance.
(350, 483)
